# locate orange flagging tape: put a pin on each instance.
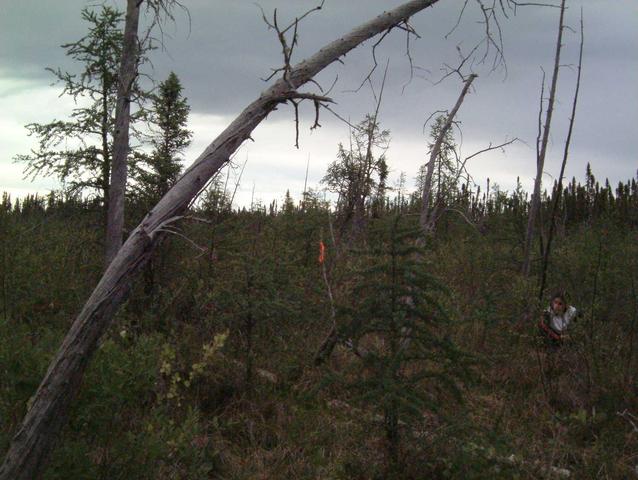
(322, 252)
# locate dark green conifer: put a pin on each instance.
(158, 171)
(398, 326)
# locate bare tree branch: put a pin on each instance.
(286, 50)
(463, 59)
(458, 20)
(374, 60)
(492, 147)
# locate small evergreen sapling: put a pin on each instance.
(398, 326)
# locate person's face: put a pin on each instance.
(558, 306)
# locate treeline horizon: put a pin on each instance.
(578, 201)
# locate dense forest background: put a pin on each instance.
(210, 368)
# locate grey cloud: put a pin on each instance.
(228, 48)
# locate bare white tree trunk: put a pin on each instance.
(126, 78)
(49, 410)
(541, 151)
(559, 186)
(427, 220)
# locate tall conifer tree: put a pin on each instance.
(169, 117)
(78, 151)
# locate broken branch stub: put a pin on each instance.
(43, 422)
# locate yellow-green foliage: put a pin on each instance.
(177, 382)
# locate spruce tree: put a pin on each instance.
(398, 326)
(288, 207)
(157, 172)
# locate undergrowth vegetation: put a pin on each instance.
(209, 372)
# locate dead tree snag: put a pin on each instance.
(427, 219)
(541, 149)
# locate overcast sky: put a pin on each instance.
(226, 49)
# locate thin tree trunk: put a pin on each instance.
(559, 187)
(126, 78)
(426, 219)
(629, 356)
(43, 422)
(106, 153)
(369, 167)
(540, 159)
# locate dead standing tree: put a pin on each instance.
(127, 76)
(427, 218)
(49, 409)
(541, 149)
(128, 73)
(559, 186)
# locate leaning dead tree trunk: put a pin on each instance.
(50, 405)
(559, 186)
(127, 75)
(541, 151)
(427, 219)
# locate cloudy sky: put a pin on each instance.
(223, 49)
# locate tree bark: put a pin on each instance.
(540, 159)
(426, 219)
(559, 186)
(43, 422)
(126, 78)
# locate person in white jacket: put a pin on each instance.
(556, 319)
